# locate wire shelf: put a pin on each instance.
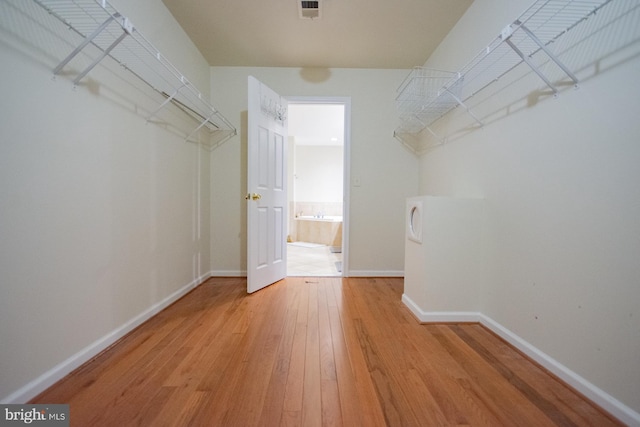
(423, 98)
(418, 91)
(427, 95)
(102, 26)
(544, 20)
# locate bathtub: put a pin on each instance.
(326, 230)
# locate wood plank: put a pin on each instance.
(260, 362)
(313, 351)
(513, 407)
(367, 336)
(331, 413)
(233, 377)
(311, 396)
(372, 413)
(295, 379)
(562, 400)
(350, 405)
(275, 393)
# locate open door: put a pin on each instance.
(267, 187)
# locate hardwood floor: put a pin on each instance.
(312, 351)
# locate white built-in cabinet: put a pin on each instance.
(445, 266)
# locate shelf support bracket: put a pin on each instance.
(166, 101)
(84, 43)
(550, 54)
(435, 135)
(221, 141)
(406, 144)
(531, 65)
(201, 124)
(459, 101)
(100, 58)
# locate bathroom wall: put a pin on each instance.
(560, 181)
(318, 187)
(318, 174)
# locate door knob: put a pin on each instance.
(254, 196)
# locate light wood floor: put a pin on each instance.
(312, 351)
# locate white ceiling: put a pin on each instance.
(349, 34)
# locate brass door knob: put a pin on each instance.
(254, 196)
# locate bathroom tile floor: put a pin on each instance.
(312, 261)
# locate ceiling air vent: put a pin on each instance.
(309, 9)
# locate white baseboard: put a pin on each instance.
(440, 316)
(376, 273)
(351, 273)
(589, 390)
(229, 273)
(47, 379)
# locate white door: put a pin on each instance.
(267, 187)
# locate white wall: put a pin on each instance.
(560, 179)
(318, 174)
(387, 172)
(103, 216)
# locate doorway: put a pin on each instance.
(318, 186)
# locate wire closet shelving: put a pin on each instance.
(426, 95)
(101, 25)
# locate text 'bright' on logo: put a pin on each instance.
(54, 415)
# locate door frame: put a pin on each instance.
(346, 167)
